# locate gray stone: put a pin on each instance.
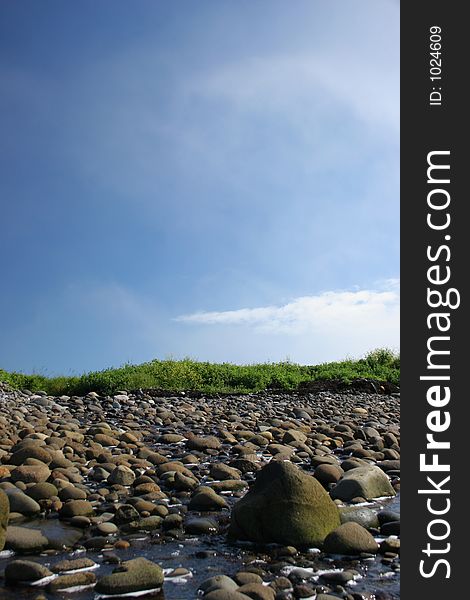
(21, 503)
(364, 482)
(25, 541)
(133, 575)
(350, 538)
(20, 570)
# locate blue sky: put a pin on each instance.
(210, 179)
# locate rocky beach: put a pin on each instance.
(264, 496)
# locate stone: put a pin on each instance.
(72, 493)
(106, 440)
(20, 570)
(222, 472)
(76, 508)
(257, 591)
(31, 473)
(244, 577)
(72, 565)
(66, 582)
(206, 499)
(126, 513)
(225, 595)
(143, 524)
(25, 541)
(21, 503)
(350, 538)
(201, 526)
(286, 506)
(134, 575)
(42, 491)
(359, 514)
(221, 582)
(4, 515)
(366, 482)
(107, 528)
(391, 544)
(184, 483)
(328, 473)
(30, 451)
(228, 485)
(294, 436)
(203, 443)
(122, 475)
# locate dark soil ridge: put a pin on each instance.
(357, 386)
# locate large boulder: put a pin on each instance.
(4, 514)
(285, 506)
(364, 482)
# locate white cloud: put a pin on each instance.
(357, 313)
(292, 84)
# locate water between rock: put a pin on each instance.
(220, 557)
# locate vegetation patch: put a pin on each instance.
(193, 375)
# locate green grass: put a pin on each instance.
(206, 377)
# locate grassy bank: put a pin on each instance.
(209, 377)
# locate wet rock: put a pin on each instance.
(223, 472)
(391, 528)
(228, 485)
(206, 499)
(65, 582)
(201, 526)
(107, 528)
(133, 575)
(286, 506)
(350, 538)
(218, 582)
(304, 590)
(257, 591)
(72, 565)
(225, 595)
(19, 570)
(143, 524)
(391, 544)
(25, 541)
(359, 514)
(125, 514)
(387, 516)
(244, 577)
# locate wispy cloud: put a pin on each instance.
(292, 83)
(329, 312)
